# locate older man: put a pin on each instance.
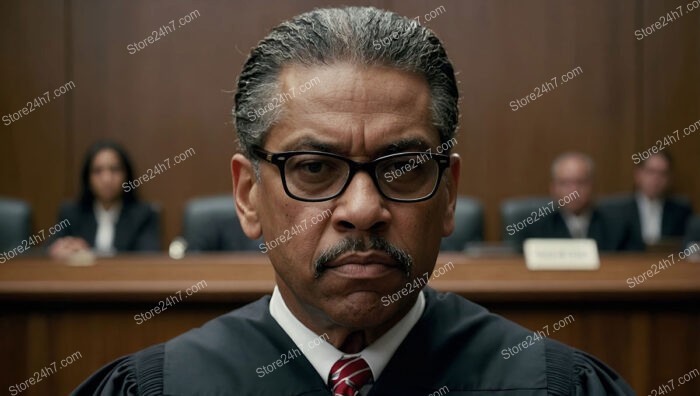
(329, 328)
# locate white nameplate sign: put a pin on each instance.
(561, 254)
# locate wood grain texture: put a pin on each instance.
(50, 310)
(173, 96)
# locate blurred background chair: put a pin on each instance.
(211, 224)
(516, 209)
(16, 217)
(692, 234)
(469, 225)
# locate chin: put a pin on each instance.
(363, 310)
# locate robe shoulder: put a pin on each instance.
(138, 374)
(457, 344)
(573, 372)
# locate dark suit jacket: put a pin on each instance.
(455, 344)
(137, 228)
(673, 220)
(609, 234)
(692, 233)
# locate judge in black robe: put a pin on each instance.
(456, 344)
(346, 237)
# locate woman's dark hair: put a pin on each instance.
(87, 198)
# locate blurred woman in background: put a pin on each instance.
(106, 219)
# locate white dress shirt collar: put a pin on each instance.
(577, 224)
(322, 355)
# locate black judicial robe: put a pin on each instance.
(455, 344)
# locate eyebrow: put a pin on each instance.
(400, 145)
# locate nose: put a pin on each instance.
(361, 207)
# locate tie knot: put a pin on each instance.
(348, 376)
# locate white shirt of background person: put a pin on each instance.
(106, 226)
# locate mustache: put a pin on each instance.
(402, 257)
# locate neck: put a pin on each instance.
(347, 340)
(650, 197)
(107, 205)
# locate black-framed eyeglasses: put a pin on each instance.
(315, 176)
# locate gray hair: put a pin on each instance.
(353, 34)
(590, 164)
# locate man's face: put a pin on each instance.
(653, 176)
(573, 175)
(358, 113)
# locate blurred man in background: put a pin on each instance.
(577, 216)
(654, 215)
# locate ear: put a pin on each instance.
(245, 191)
(452, 187)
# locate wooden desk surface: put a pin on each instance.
(647, 333)
(244, 277)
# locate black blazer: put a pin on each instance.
(455, 344)
(137, 228)
(674, 218)
(692, 234)
(610, 234)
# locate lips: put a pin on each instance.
(371, 265)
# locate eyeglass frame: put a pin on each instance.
(279, 159)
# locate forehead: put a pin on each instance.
(107, 155)
(655, 162)
(571, 167)
(352, 109)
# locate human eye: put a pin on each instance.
(313, 167)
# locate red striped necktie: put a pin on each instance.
(348, 376)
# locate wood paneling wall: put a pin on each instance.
(172, 95)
